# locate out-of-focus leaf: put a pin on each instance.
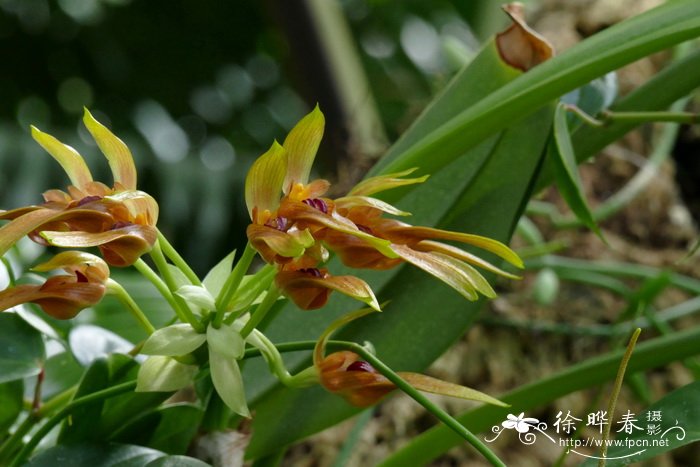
(109, 455)
(178, 425)
(80, 426)
(595, 96)
(174, 340)
(679, 424)
(21, 348)
(89, 342)
(11, 399)
(561, 152)
(62, 371)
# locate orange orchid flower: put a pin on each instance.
(293, 224)
(63, 296)
(357, 381)
(119, 220)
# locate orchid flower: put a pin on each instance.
(119, 220)
(358, 382)
(294, 224)
(63, 296)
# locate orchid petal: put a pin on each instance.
(436, 386)
(141, 206)
(263, 185)
(120, 247)
(301, 211)
(60, 296)
(91, 266)
(429, 245)
(33, 220)
(348, 202)
(442, 268)
(385, 182)
(285, 244)
(421, 233)
(301, 146)
(117, 153)
(72, 162)
(310, 292)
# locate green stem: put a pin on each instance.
(177, 260)
(120, 292)
(639, 182)
(231, 285)
(13, 442)
(617, 386)
(652, 353)
(275, 363)
(378, 365)
(270, 299)
(63, 413)
(161, 286)
(10, 272)
(180, 304)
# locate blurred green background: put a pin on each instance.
(198, 89)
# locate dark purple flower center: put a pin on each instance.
(317, 203)
(120, 224)
(361, 366)
(88, 199)
(80, 276)
(279, 223)
(311, 272)
(364, 228)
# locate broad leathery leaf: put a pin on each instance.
(412, 331)
(623, 43)
(61, 372)
(178, 425)
(225, 341)
(21, 348)
(109, 455)
(173, 340)
(561, 151)
(228, 382)
(81, 425)
(89, 342)
(164, 374)
(197, 296)
(679, 425)
(216, 277)
(11, 403)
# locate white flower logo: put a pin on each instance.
(521, 423)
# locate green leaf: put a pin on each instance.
(61, 372)
(178, 426)
(679, 425)
(11, 404)
(89, 342)
(228, 382)
(109, 455)
(225, 341)
(80, 426)
(561, 152)
(164, 374)
(197, 296)
(216, 277)
(174, 340)
(21, 348)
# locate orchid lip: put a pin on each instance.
(361, 365)
(312, 272)
(317, 203)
